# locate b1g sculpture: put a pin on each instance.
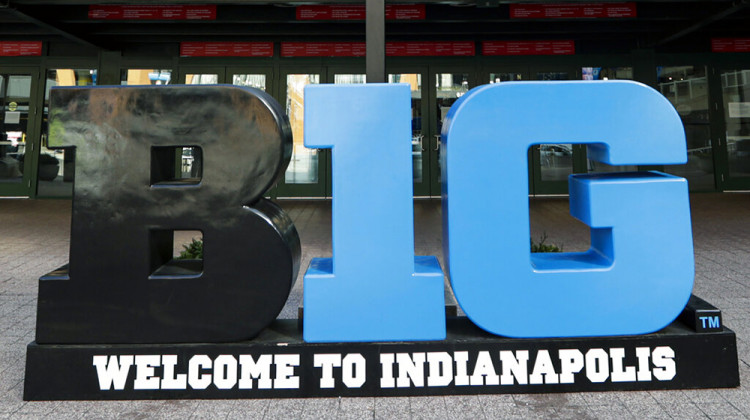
(126, 321)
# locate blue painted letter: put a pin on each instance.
(373, 289)
(638, 274)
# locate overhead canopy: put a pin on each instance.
(659, 24)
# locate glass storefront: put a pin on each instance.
(303, 168)
(57, 166)
(686, 87)
(417, 136)
(139, 77)
(735, 86)
(15, 97)
(607, 73)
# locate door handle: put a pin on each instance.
(437, 142)
(420, 141)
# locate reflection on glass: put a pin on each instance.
(505, 77)
(552, 75)
(145, 77)
(15, 91)
(257, 81)
(201, 79)
(736, 93)
(449, 87)
(349, 79)
(556, 160)
(608, 73)
(417, 138)
(687, 90)
(303, 168)
(56, 167)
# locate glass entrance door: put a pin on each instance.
(416, 78)
(553, 163)
(549, 164)
(449, 86)
(255, 77)
(18, 131)
(735, 88)
(433, 92)
(686, 87)
(56, 167)
(306, 174)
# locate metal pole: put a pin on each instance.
(375, 41)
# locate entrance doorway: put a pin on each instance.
(434, 89)
(18, 130)
(735, 159)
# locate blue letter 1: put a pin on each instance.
(373, 289)
(638, 274)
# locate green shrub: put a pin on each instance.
(541, 246)
(192, 251)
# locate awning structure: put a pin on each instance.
(678, 26)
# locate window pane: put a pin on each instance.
(736, 92)
(257, 81)
(303, 168)
(417, 137)
(145, 77)
(687, 89)
(57, 166)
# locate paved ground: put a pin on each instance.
(34, 240)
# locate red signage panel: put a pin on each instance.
(152, 12)
(357, 12)
(323, 49)
(567, 11)
(437, 48)
(226, 49)
(562, 47)
(20, 48)
(730, 44)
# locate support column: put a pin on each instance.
(375, 39)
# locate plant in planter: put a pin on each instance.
(192, 251)
(542, 246)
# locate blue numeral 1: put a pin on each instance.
(374, 288)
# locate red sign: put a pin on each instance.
(323, 49)
(20, 48)
(226, 49)
(412, 49)
(357, 12)
(565, 11)
(528, 48)
(730, 44)
(150, 12)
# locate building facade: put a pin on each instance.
(696, 53)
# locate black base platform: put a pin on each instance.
(278, 364)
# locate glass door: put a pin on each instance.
(202, 75)
(553, 163)
(503, 74)
(607, 73)
(255, 77)
(306, 174)
(56, 166)
(449, 85)
(686, 87)
(18, 130)
(420, 136)
(735, 89)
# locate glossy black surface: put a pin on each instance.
(121, 285)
